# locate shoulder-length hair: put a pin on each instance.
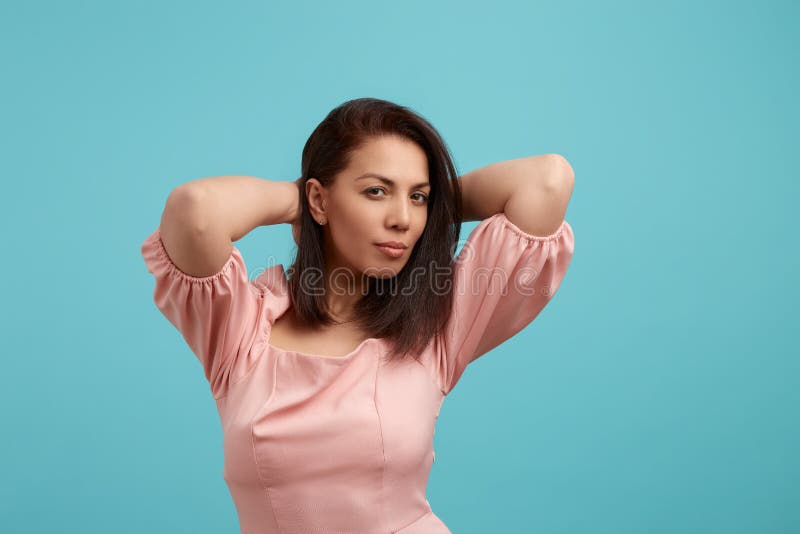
(408, 310)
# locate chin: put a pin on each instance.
(384, 276)
(382, 271)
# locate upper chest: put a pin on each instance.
(332, 342)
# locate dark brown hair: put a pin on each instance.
(409, 319)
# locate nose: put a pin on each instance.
(399, 215)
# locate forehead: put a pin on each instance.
(395, 158)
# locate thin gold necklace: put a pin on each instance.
(343, 322)
(339, 322)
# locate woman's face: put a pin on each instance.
(362, 209)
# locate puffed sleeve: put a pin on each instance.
(503, 278)
(220, 316)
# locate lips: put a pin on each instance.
(392, 244)
(391, 252)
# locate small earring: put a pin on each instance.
(323, 221)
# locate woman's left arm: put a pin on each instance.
(533, 192)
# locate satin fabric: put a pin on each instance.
(327, 444)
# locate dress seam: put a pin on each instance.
(430, 378)
(531, 237)
(161, 253)
(418, 519)
(263, 334)
(383, 447)
(264, 485)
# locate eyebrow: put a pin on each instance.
(389, 182)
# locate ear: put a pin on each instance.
(317, 197)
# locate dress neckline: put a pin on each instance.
(345, 357)
(274, 280)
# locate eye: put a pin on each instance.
(375, 189)
(372, 191)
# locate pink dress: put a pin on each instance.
(325, 444)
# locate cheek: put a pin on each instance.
(352, 238)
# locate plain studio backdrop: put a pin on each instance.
(657, 392)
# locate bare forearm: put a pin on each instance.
(234, 205)
(486, 190)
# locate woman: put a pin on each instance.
(329, 378)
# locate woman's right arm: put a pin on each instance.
(202, 218)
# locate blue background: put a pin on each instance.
(658, 392)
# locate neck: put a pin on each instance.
(343, 289)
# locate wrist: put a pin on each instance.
(294, 212)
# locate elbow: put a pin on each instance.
(184, 206)
(186, 193)
(562, 176)
(562, 168)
